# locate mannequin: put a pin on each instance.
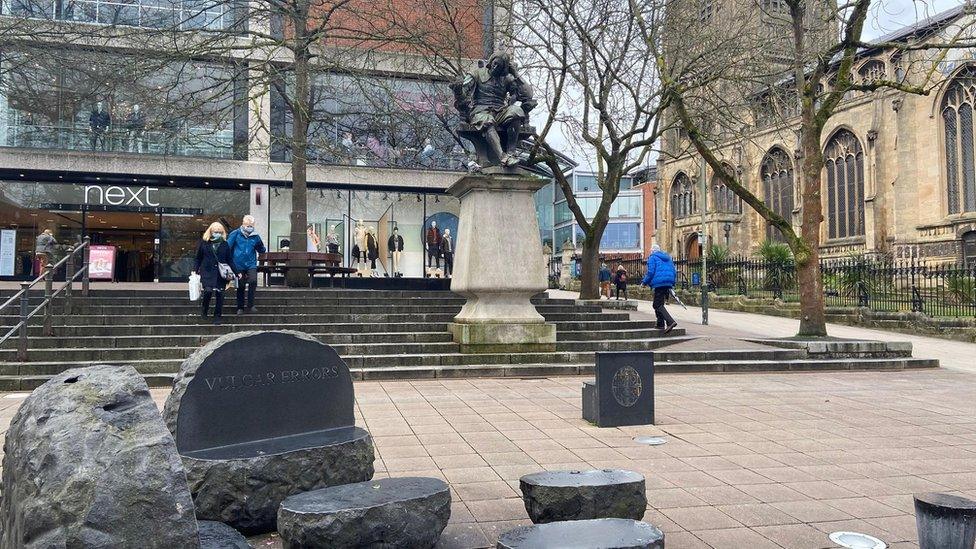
(447, 249)
(332, 241)
(372, 249)
(135, 125)
(433, 245)
(98, 123)
(360, 241)
(396, 249)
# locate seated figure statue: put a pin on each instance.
(495, 103)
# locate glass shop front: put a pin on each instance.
(151, 232)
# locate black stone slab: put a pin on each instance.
(217, 535)
(409, 512)
(260, 416)
(552, 496)
(623, 393)
(945, 521)
(609, 533)
(260, 386)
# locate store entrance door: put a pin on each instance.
(134, 235)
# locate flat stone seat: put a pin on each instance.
(552, 496)
(281, 445)
(217, 535)
(608, 533)
(408, 512)
(945, 521)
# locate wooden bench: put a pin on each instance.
(314, 262)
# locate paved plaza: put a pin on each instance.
(752, 461)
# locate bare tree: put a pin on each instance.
(596, 81)
(798, 68)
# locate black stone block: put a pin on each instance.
(552, 496)
(609, 533)
(623, 393)
(945, 521)
(406, 513)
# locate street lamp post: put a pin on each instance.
(703, 240)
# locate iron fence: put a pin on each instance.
(885, 285)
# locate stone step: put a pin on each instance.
(645, 344)
(305, 309)
(204, 328)
(197, 340)
(602, 335)
(160, 373)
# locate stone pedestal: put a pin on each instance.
(499, 264)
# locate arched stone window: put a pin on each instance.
(684, 196)
(844, 162)
(957, 119)
(871, 72)
(725, 200)
(776, 173)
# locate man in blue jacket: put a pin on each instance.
(245, 245)
(661, 276)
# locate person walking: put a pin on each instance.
(605, 277)
(44, 250)
(215, 265)
(620, 281)
(661, 276)
(245, 245)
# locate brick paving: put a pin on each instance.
(752, 461)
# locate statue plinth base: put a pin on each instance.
(499, 265)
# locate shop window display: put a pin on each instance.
(382, 122)
(96, 101)
(441, 221)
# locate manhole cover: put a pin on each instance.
(650, 441)
(856, 540)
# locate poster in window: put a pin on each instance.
(8, 251)
(102, 263)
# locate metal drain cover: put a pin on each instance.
(650, 441)
(857, 540)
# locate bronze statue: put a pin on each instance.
(495, 103)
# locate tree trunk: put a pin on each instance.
(590, 269)
(298, 277)
(813, 321)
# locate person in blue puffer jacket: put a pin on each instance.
(245, 245)
(661, 276)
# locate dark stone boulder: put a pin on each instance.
(88, 462)
(259, 416)
(552, 496)
(408, 513)
(217, 535)
(945, 521)
(607, 533)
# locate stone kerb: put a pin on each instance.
(88, 462)
(259, 416)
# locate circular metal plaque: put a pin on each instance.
(626, 386)
(857, 540)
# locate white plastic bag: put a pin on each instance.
(196, 287)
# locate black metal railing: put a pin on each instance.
(46, 306)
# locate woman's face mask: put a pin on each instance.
(215, 236)
(247, 229)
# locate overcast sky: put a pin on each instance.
(886, 16)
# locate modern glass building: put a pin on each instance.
(141, 152)
(624, 233)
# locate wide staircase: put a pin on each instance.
(380, 334)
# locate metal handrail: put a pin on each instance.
(23, 296)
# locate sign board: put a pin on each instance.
(624, 390)
(102, 263)
(8, 251)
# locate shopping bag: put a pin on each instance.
(196, 288)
